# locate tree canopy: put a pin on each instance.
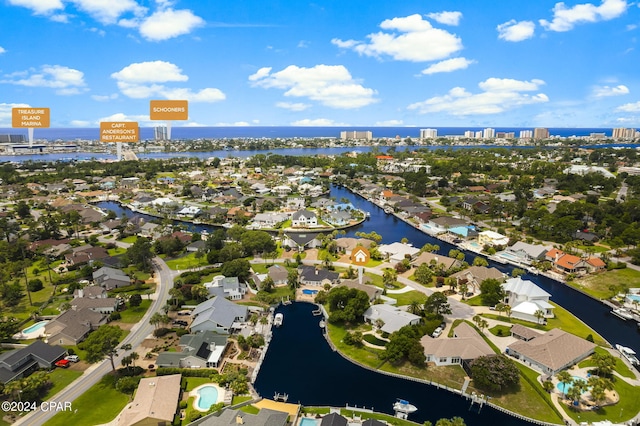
(102, 342)
(494, 372)
(347, 304)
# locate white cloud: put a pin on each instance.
(39, 7)
(303, 44)
(120, 116)
(449, 65)
(631, 107)
(331, 85)
(564, 18)
(2, 50)
(516, 31)
(317, 122)
(6, 113)
(143, 80)
(605, 91)
(109, 11)
(150, 72)
(104, 98)
(235, 124)
(80, 123)
(291, 106)
(498, 95)
(169, 23)
(389, 123)
(446, 18)
(408, 39)
(66, 81)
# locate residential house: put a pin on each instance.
(334, 419)
(492, 239)
(217, 314)
(197, 246)
(300, 242)
(130, 182)
(281, 190)
(278, 274)
(155, 402)
(150, 230)
(199, 350)
(392, 317)
(523, 333)
(397, 252)
(229, 417)
(100, 304)
(347, 245)
(21, 362)
(475, 275)
(189, 211)
(464, 347)
(310, 275)
(372, 291)
(552, 352)
(565, 262)
(304, 219)
(433, 258)
(229, 287)
(110, 278)
(595, 264)
(526, 299)
(85, 254)
(72, 327)
(339, 218)
(269, 220)
(440, 225)
(527, 253)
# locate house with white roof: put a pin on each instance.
(269, 220)
(527, 253)
(229, 287)
(397, 252)
(189, 211)
(492, 239)
(525, 299)
(281, 190)
(393, 318)
(218, 315)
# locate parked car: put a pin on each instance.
(72, 358)
(443, 325)
(180, 323)
(436, 333)
(63, 363)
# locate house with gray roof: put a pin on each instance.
(437, 259)
(393, 318)
(301, 242)
(334, 419)
(279, 274)
(229, 287)
(473, 276)
(552, 352)
(229, 417)
(372, 291)
(72, 327)
(525, 299)
(105, 305)
(155, 402)
(217, 314)
(304, 219)
(527, 253)
(22, 362)
(310, 275)
(111, 278)
(465, 346)
(199, 350)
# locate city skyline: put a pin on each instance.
(530, 64)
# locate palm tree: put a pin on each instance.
(482, 324)
(175, 294)
(415, 308)
(539, 314)
(500, 307)
(507, 311)
(476, 319)
(134, 356)
(126, 361)
(155, 319)
(565, 378)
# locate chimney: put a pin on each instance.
(239, 420)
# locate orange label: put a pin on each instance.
(169, 110)
(119, 131)
(30, 117)
(360, 256)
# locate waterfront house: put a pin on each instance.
(339, 218)
(433, 258)
(465, 346)
(346, 245)
(310, 275)
(552, 352)
(278, 274)
(397, 252)
(199, 350)
(527, 253)
(229, 287)
(229, 417)
(304, 219)
(523, 333)
(197, 246)
(372, 291)
(475, 275)
(492, 239)
(333, 419)
(155, 402)
(525, 299)
(189, 211)
(440, 225)
(218, 315)
(393, 318)
(21, 362)
(269, 220)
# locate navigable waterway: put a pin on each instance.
(300, 362)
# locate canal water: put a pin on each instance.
(300, 363)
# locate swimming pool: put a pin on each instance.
(507, 255)
(308, 422)
(566, 387)
(35, 327)
(207, 396)
(307, 291)
(634, 297)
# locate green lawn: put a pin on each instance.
(361, 354)
(100, 404)
(194, 382)
(408, 297)
(474, 301)
(607, 284)
(250, 409)
(60, 377)
(500, 330)
(133, 315)
(130, 239)
(186, 262)
(116, 251)
(620, 366)
(237, 399)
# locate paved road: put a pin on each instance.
(92, 375)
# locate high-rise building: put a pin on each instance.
(478, 134)
(540, 133)
(160, 133)
(354, 134)
(624, 133)
(12, 139)
(469, 134)
(428, 133)
(489, 133)
(526, 134)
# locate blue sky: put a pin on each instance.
(466, 63)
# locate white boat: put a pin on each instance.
(277, 320)
(622, 314)
(629, 354)
(403, 406)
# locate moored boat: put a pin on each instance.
(403, 406)
(622, 313)
(278, 319)
(629, 354)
